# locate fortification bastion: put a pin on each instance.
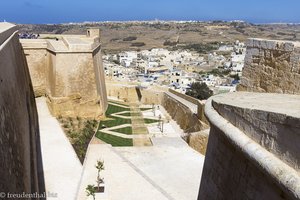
(271, 66)
(253, 147)
(68, 70)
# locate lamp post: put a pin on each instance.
(159, 122)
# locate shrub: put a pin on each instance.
(199, 91)
(130, 38)
(138, 44)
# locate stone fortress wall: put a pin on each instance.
(271, 66)
(20, 154)
(253, 148)
(69, 72)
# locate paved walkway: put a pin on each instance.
(170, 165)
(193, 107)
(62, 167)
(169, 169)
(122, 181)
(139, 127)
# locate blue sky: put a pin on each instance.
(60, 11)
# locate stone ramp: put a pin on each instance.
(138, 127)
(62, 167)
(170, 165)
(122, 181)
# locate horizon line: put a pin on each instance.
(158, 20)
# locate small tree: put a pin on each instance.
(90, 190)
(199, 91)
(99, 166)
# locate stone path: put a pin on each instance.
(122, 181)
(168, 170)
(62, 167)
(138, 127)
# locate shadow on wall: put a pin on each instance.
(20, 152)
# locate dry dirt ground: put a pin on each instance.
(180, 35)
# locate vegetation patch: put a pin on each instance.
(130, 38)
(125, 114)
(114, 140)
(144, 109)
(216, 72)
(79, 132)
(169, 43)
(112, 122)
(150, 121)
(199, 91)
(203, 48)
(125, 130)
(138, 44)
(114, 109)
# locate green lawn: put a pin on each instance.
(114, 121)
(149, 121)
(126, 130)
(144, 109)
(126, 114)
(114, 109)
(114, 140)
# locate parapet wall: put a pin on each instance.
(20, 154)
(186, 119)
(200, 104)
(271, 66)
(253, 150)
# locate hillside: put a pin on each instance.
(119, 36)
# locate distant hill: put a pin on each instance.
(117, 36)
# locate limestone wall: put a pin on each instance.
(186, 119)
(71, 78)
(253, 147)
(271, 66)
(20, 154)
(200, 104)
(37, 57)
(131, 93)
(122, 91)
